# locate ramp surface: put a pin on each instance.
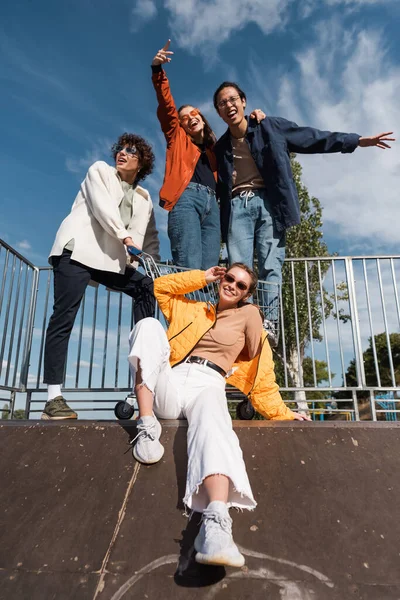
(81, 519)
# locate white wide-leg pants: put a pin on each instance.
(197, 393)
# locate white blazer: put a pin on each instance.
(96, 226)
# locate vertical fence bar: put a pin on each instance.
(395, 289)
(355, 405)
(28, 401)
(130, 382)
(103, 374)
(21, 326)
(44, 321)
(333, 264)
(372, 404)
(13, 325)
(371, 325)
(296, 328)
(4, 278)
(355, 325)
(321, 291)
(30, 323)
(118, 340)
(390, 356)
(96, 294)
(285, 374)
(6, 318)
(78, 358)
(310, 325)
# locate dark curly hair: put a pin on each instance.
(145, 153)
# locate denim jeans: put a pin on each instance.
(194, 228)
(251, 226)
(196, 393)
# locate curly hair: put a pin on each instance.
(145, 153)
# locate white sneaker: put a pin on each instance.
(148, 449)
(273, 337)
(214, 543)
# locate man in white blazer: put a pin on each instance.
(111, 212)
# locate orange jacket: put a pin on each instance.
(182, 153)
(190, 320)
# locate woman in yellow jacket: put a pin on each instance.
(182, 373)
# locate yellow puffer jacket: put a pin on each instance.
(190, 320)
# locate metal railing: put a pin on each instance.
(339, 347)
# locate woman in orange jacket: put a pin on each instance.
(188, 192)
(182, 374)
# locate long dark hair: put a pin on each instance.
(209, 136)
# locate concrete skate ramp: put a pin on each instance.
(82, 520)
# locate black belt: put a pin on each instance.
(204, 361)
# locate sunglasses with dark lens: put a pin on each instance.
(239, 284)
(132, 151)
(185, 119)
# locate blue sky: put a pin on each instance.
(76, 74)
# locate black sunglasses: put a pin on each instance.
(240, 284)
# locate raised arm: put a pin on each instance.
(166, 111)
(307, 140)
(168, 287)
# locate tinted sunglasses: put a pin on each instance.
(185, 119)
(132, 151)
(239, 284)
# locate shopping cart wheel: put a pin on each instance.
(123, 410)
(245, 411)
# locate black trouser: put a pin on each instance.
(70, 281)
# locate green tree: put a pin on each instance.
(19, 413)
(304, 241)
(4, 413)
(382, 354)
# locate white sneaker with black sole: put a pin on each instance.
(214, 543)
(148, 449)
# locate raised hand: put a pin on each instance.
(214, 273)
(163, 55)
(377, 140)
(258, 114)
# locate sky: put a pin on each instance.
(75, 75)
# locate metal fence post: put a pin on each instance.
(355, 324)
(23, 382)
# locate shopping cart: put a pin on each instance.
(266, 296)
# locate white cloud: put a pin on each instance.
(100, 150)
(85, 364)
(142, 12)
(24, 245)
(201, 25)
(346, 81)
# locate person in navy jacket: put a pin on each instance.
(257, 193)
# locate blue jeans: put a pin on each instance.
(194, 228)
(251, 226)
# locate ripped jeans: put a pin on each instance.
(196, 393)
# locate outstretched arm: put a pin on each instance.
(166, 111)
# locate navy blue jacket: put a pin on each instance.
(271, 142)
